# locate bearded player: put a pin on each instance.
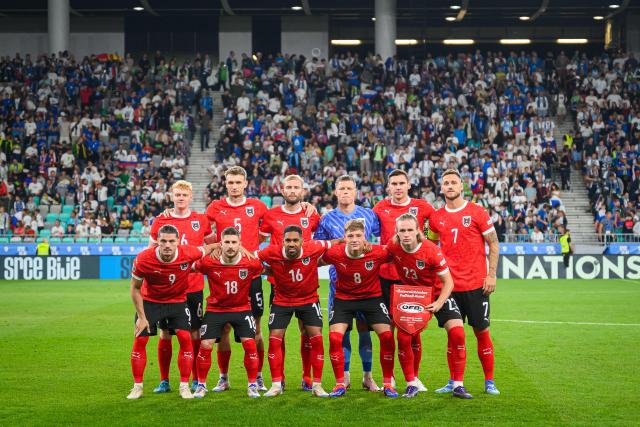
(421, 263)
(332, 227)
(293, 212)
(194, 229)
(294, 265)
(358, 291)
(388, 210)
(463, 229)
(159, 284)
(228, 303)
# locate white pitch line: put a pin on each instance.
(564, 323)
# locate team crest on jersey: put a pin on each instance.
(368, 265)
(413, 211)
(184, 266)
(249, 210)
(243, 273)
(304, 222)
(306, 260)
(420, 264)
(466, 221)
(195, 225)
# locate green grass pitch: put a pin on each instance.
(64, 349)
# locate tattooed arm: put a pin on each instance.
(494, 250)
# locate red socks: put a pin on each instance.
(416, 346)
(165, 352)
(275, 358)
(317, 357)
(336, 354)
(185, 355)
(387, 350)
(485, 352)
(250, 359)
(223, 362)
(305, 352)
(405, 355)
(195, 343)
(139, 358)
(456, 353)
(204, 364)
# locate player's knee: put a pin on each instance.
(184, 338)
(386, 339)
(206, 344)
(480, 332)
(140, 343)
(249, 345)
(195, 335)
(456, 336)
(164, 334)
(364, 338)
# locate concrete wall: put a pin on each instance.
(235, 35)
(88, 35)
(306, 35)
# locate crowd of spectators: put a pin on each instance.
(89, 147)
(112, 133)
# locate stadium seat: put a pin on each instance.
(40, 239)
(55, 240)
(55, 209)
(120, 239)
(69, 199)
(133, 240)
(95, 240)
(123, 232)
(4, 240)
(44, 209)
(36, 200)
(110, 202)
(51, 217)
(118, 208)
(64, 217)
(82, 240)
(67, 209)
(266, 200)
(68, 240)
(45, 233)
(107, 240)
(137, 226)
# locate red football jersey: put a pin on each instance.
(357, 277)
(276, 219)
(388, 212)
(193, 229)
(245, 217)
(420, 267)
(296, 280)
(165, 281)
(462, 234)
(229, 284)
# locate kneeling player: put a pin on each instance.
(228, 303)
(358, 291)
(418, 261)
(295, 269)
(159, 282)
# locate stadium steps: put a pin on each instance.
(201, 160)
(576, 200)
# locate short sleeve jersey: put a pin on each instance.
(461, 233)
(296, 280)
(165, 282)
(193, 229)
(388, 212)
(276, 219)
(229, 284)
(245, 216)
(421, 266)
(357, 278)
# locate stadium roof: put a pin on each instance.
(423, 12)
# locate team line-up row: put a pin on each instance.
(396, 285)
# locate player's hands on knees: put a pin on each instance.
(435, 306)
(309, 209)
(489, 285)
(141, 326)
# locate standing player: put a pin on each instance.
(358, 291)
(332, 227)
(388, 210)
(292, 212)
(294, 265)
(418, 262)
(245, 215)
(159, 284)
(463, 228)
(194, 229)
(229, 304)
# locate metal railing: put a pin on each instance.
(72, 238)
(603, 239)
